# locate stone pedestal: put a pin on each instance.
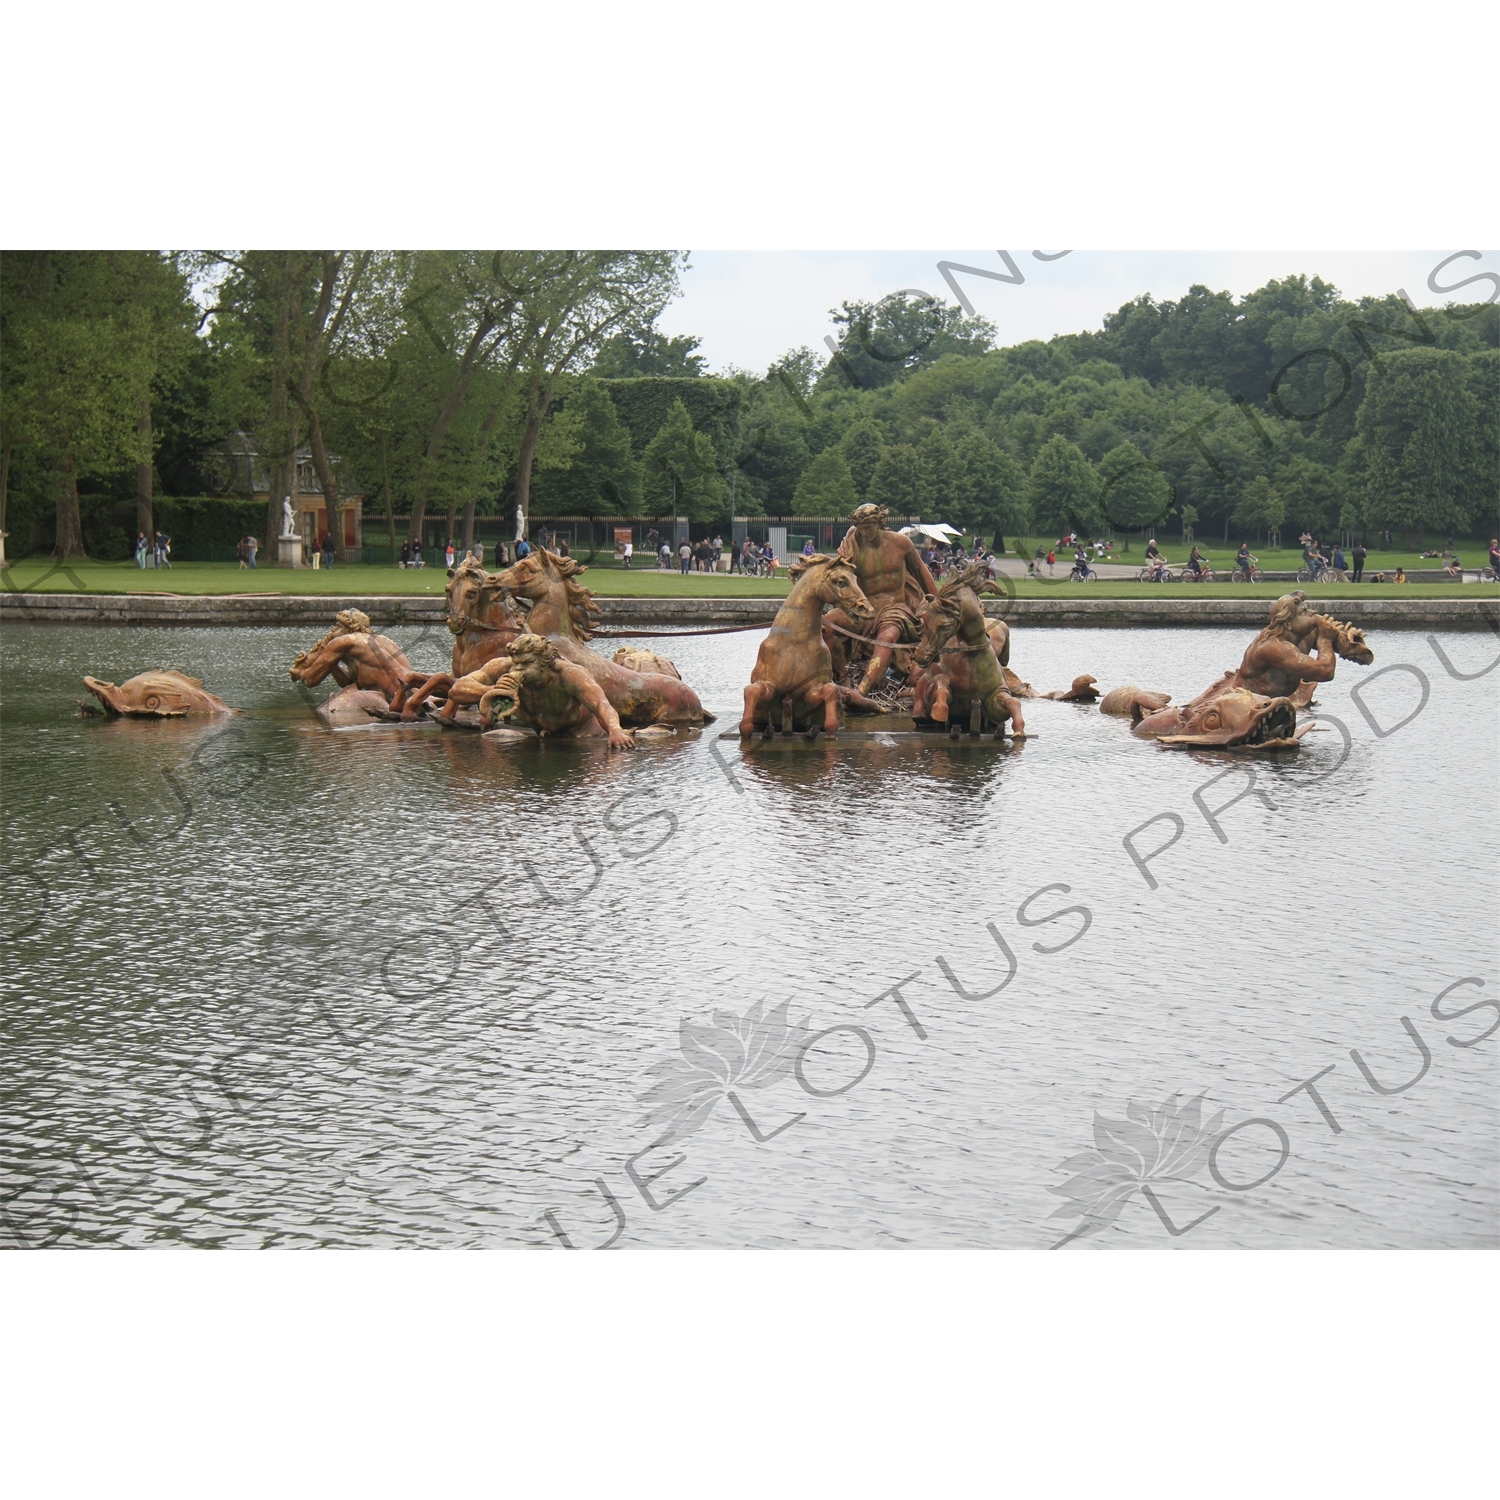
(289, 552)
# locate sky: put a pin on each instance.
(749, 307)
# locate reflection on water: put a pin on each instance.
(268, 984)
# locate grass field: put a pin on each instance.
(227, 578)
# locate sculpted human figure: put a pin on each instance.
(353, 655)
(1277, 663)
(536, 686)
(893, 577)
(564, 611)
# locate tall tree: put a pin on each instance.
(643, 350)
(682, 470)
(601, 475)
(991, 489)
(897, 480)
(573, 301)
(1260, 507)
(1418, 422)
(1132, 491)
(879, 342)
(826, 487)
(862, 446)
(85, 334)
(340, 274)
(1062, 489)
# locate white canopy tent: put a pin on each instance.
(936, 531)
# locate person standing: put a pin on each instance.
(140, 549)
(1338, 564)
(685, 557)
(629, 551)
(1359, 561)
(163, 550)
(451, 555)
(1051, 562)
(523, 548)
(479, 553)
(241, 553)
(252, 546)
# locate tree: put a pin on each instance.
(1310, 493)
(681, 469)
(991, 488)
(1418, 422)
(896, 480)
(882, 341)
(862, 446)
(85, 335)
(601, 476)
(1259, 507)
(1062, 489)
(1132, 490)
(642, 350)
(573, 301)
(339, 276)
(826, 487)
(937, 474)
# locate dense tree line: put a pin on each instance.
(448, 384)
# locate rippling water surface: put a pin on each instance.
(271, 985)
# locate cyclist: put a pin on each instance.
(1195, 562)
(1494, 558)
(1155, 561)
(1242, 560)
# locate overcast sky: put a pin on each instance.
(750, 307)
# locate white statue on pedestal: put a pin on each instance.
(288, 518)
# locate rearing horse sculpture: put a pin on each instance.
(564, 611)
(484, 622)
(794, 661)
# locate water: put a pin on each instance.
(272, 985)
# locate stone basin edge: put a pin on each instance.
(616, 613)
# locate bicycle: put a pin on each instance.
(1204, 575)
(1252, 574)
(1319, 573)
(1082, 573)
(1149, 574)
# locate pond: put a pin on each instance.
(268, 984)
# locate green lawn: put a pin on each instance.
(227, 578)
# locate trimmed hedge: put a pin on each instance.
(208, 520)
(642, 405)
